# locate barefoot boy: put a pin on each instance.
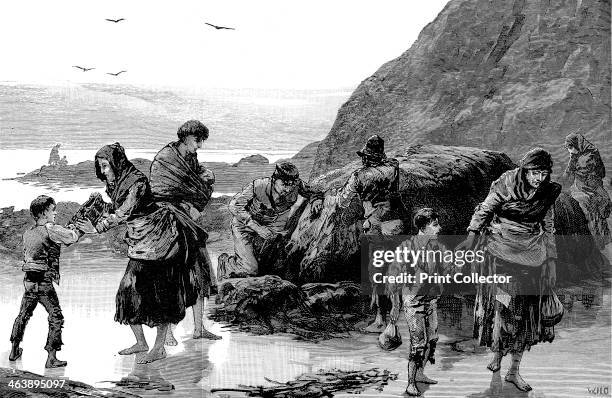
(41, 250)
(419, 299)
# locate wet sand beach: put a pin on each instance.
(577, 360)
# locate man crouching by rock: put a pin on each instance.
(262, 211)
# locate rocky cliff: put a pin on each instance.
(495, 74)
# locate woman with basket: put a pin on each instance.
(516, 228)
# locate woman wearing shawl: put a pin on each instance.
(585, 171)
(516, 223)
(178, 182)
(157, 286)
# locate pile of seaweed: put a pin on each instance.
(320, 384)
(146, 385)
(269, 304)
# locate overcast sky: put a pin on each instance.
(276, 44)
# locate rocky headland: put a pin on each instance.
(494, 74)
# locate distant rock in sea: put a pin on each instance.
(494, 74)
(81, 174)
(253, 159)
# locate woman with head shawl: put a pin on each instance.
(585, 172)
(157, 286)
(516, 225)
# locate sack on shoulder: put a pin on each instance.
(551, 309)
(390, 338)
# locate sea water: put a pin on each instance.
(84, 117)
(16, 162)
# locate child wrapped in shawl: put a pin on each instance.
(586, 171)
(178, 182)
(516, 220)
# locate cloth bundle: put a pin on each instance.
(390, 338)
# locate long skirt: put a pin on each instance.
(507, 315)
(156, 292)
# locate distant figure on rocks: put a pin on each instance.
(376, 185)
(63, 162)
(584, 174)
(261, 213)
(54, 157)
(178, 181)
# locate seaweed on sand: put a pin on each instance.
(269, 304)
(320, 384)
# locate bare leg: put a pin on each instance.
(199, 331)
(379, 322)
(412, 389)
(141, 343)
(170, 340)
(513, 375)
(420, 376)
(495, 363)
(53, 362)
(157, 352)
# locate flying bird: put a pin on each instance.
(218, 27)
(116, 74)
(115, 20)
(81, 68)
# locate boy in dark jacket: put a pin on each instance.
(41, 250)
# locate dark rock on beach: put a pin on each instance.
(452, 180)
(327, 248)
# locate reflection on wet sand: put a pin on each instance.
(575, 361)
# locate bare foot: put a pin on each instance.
(421, 378)
(518, 381)
(377, 326)
(412, 390)
(15, 354)
(134, 349)
(152, 356)
(170, 340)
(55, 363)
(494, 365)
(205, 334)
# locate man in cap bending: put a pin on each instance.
(261, 212)
(376, 184)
